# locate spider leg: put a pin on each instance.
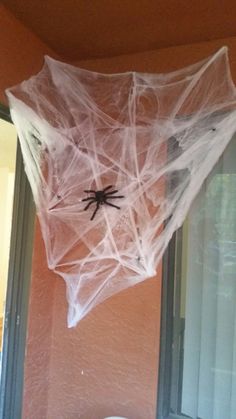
(90, 191)
(112, 192)
(112, 205)
(108, 187)
(89, 199)
(95, 211)
(87, 206)
(115, 197)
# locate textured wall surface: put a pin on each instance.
(21, 55)
(163, 60)
(39, 336)
(108, 365)
(105, 366)
(21, 52)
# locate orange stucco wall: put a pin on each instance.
(21, 55)
(108, 364)
(21, 52)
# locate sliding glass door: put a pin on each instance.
(201, 352)
(16, 241)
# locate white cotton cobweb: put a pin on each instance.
(152, 138)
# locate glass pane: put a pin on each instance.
(8, 144)
(204, 338)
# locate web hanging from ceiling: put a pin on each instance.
(114, 162)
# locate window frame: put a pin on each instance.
(17, 298)
(171, 269)
(166, 331)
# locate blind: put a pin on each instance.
(209, 365)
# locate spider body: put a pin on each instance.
(100, 198)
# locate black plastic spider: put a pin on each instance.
(101, 197)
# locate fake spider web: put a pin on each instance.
(153, 138)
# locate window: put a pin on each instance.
(8, 143)
(18, 229)
(197, 376)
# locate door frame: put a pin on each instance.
(18, 286)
